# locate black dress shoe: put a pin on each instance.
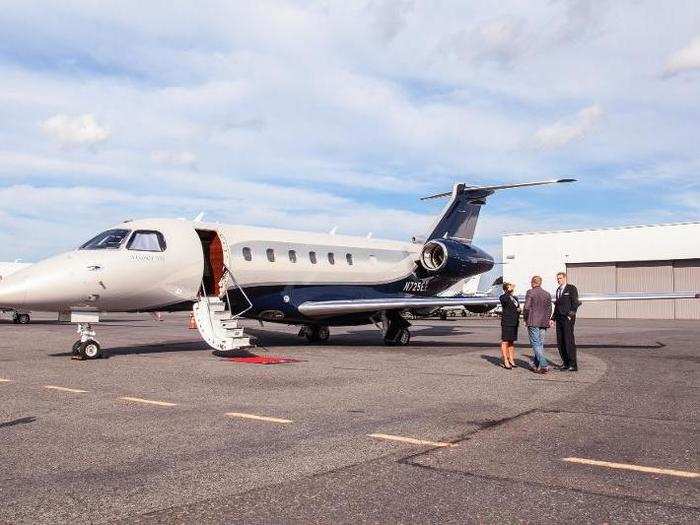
(572, 369)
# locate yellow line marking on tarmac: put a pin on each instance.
(64, 389)
(413, 441)
(148, 401)
(258, 418)
(5, 380)
(639, 468)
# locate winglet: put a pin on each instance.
(199, 217)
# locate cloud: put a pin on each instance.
(390, 16)
(174, 158)
(686, 59)
(310, 114)
(500, 40)
(80, 129)
(567, 130)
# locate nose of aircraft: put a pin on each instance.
(47, 285)
(13, 292)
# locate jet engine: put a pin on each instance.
(454, 258)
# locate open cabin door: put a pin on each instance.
(215, 258)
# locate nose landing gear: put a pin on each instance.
(87, 347)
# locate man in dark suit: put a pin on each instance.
(565, 305)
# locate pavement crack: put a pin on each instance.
(487, 477)
(481, 426)
(20, 421)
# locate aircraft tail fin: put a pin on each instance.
(458, 219)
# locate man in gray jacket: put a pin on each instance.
(537, 314)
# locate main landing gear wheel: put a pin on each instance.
(21, 318)
(402, 338)
(396, 331)
(315, 334)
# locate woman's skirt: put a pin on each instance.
(509, 333)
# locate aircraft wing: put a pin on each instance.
(352, 306)
(636, 296)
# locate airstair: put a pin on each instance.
(217, 325)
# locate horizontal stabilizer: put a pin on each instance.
(458, 219)
(491, 189)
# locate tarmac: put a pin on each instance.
(161, 430)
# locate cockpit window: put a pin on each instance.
(109, 240)
(146, 241)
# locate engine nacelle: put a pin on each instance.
(454, 258)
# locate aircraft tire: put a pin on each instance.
(23, 318)
(76, 348)
(403, 337)
(90, 349)
(323, 334)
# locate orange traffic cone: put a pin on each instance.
(193, 324)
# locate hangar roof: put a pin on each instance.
(662, 225)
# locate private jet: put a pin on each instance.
(6, 268)
(223, 273)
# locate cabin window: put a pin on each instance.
(270, 254)
(247, 254)
(292, 256)
(146, 241)
(109, 240)
(331, 258)
(312, 257)
(348, 257)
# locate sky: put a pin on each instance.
(322, 114)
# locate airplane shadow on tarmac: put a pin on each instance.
(268, 340)
(155, 348)
(373, 338)
(112, 322)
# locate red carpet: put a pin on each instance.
(262, 360)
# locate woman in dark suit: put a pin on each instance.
(510, 319)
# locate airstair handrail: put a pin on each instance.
(228, 298)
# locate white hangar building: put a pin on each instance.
(658, 258)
